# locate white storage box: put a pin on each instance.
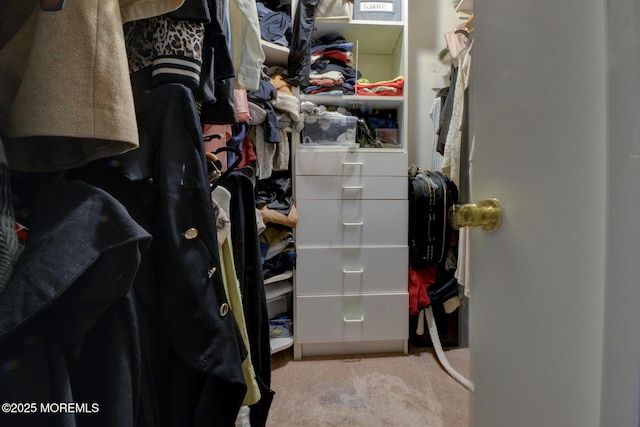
(388, 137)
(329, 129)
(377, 10)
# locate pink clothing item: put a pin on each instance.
(325, 82)
(241, 104)
(216, 136)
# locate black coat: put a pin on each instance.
(67, 317)
(246, 255)
(191, 345)
(91, 318)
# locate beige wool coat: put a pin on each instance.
(65, 93)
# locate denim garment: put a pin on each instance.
(262, 96)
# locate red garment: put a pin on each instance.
(419, 282)
(248, 151)
(388, 88)
(339, 55)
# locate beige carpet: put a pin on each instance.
(396, 391)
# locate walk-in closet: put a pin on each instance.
(284, 213)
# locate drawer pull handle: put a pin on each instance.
(360, 271)
(352, 163)
(353, 223)
(358, 320)
(352, 187)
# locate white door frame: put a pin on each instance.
(621, 367)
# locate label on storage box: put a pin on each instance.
(376, 6)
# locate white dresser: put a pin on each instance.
(352, 266)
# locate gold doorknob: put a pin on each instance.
(486, 214)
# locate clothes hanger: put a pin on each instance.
(230, 168)
(468, 25)
(464, 33)
(213, 166)
(51, 5)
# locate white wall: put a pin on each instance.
(428, 21)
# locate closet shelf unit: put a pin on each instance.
(278, 289)
(351, 277)
(275, 54)
(379, 55)
(465, 6)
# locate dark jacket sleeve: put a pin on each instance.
(66, 316)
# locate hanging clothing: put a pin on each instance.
(10, 248)
(163, 50)
(68, 316)
(299, 59)
(436, 111)
(55, 116)
(444, 123)
(132, 10)
(246, 256)
(451, 160)
(248, 56)
(191, 345)
(218, 71)
(221, 198)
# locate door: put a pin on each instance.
(554, 292)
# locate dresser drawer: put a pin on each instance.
(351, 187)
(352, 318)
(351, 223)
(342, 271)
(329, 162)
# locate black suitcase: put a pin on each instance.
(431, 194)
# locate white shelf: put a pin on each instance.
(373, 37)
(275, 54)
(279, 277)
(279, 344)
(354, 101)
(278, 289)
(465, 6)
